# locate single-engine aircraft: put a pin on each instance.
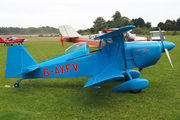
(70, 35)
(103, 66)
(11, 41)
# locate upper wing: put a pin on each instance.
(112, 72)
(115, 33)
(68, 31)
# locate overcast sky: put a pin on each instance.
(80, 14)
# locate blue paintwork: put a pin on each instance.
(134, 84)
(102, 66)
(97, 87)
(18, 60)
(134, 73)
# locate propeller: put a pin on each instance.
(166, 50)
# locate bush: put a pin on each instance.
(40, 35)
(174, 32)
(178, 32)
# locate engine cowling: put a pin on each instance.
(146, 54)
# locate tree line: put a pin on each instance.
(117, 21)
(142, 27)
(26, 31)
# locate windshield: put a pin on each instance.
(74, 47)
(77, 50)
(104, 43)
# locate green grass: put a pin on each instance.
(55, 99)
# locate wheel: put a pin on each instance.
(135, 91)
(16, 85)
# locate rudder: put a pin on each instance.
(68, 31)
(18, 59)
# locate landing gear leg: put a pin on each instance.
(127, 78)
(140, 70)
(16, 85)
(135, 91)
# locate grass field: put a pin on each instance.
(54, 99)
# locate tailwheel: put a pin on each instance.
(135, 91)
(16, 85)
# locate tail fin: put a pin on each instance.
(1, 40)
(68, 31)
(19, 62)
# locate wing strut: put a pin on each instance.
(112, 71)
(97, 55)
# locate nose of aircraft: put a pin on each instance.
(168, 45)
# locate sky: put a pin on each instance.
(81, 14)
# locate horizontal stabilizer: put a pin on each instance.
(68, 31)
(104, 78)
(30, 69)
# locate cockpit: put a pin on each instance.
(77, 50)
(81, 49)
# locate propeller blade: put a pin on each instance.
(166, 50)
(167, 53)
(161, 35)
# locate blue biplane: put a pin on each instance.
(104, 65)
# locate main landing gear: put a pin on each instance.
(135, 91)
(132, 91)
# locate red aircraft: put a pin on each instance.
(11, 41)
(70, 35)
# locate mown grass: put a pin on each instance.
(67, 99)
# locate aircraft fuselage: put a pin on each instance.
(138, 55)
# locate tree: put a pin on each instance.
(108, 24)
(120, 22)
(147, 25)
(178, 24)
(170, 25)
(137, 30)
(30, 30)
(161, 25)
(138, 22)
(98, 22)
(116, 15)
(92, 30)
